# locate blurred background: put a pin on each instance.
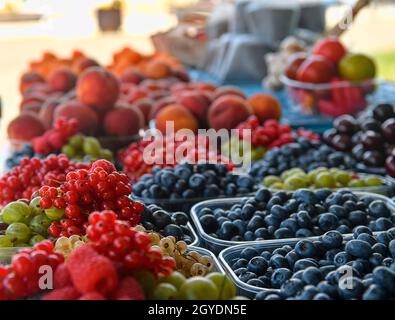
(29, 27)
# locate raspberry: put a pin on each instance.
(92, 296)
(129, 289)
(66, 293)
(106, 165)
(91, 272)
(62, 277)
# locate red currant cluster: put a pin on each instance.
(132, 158)
(99, 188)
(54, 139)
(22, 181)
(130, 248)
(271, 133)
(22, 277)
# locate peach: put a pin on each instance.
(157, 70)
(179, 87)
(35, 88)
(83, 63)
(25, 127)
(159, 94)
(135, 94)
(98, 88)
(265, 107)
(131, 75)
(160, 104)
(86, 117)
(145, 106)
(204, 86)
(47, 112)
(181, 117)
(227, 112)
(28, 79)
(62, 80)
(123, 121)
(32, 98)
(226, 90)
(196, 103)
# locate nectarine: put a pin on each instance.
(25, 127)
(265, 107)
(123, 121)
(181, 117)
(62, 80)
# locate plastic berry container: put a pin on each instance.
(6, 254)
(330, 99)
(217, 245)
(386, 189)
(204, 252)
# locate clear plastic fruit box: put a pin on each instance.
(6, 254)
(204, 252)
(386, 189)
(217, 245)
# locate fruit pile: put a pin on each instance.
(296, 178)
(83, 191)
(167, 224)
(315, 270)
(133, 159)
(186, 181)
(23, 180)
(347, 78)
(371, 138)
(304, 213)
(305, 154)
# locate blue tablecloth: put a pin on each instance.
(291, 114)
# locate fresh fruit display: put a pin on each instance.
(21, 278)
(330, 80)
(189, 182)
(316, 270)
(370, 138)
(66, 245)
(296, 178)
(23, 180)
(305, 154)
(304, 213)
(134, 165)
(101, 187)
(82, 148)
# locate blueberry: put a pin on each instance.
(262, 295)
(375, 260)
(197, 182)
(352, 289)
(228, 230)
(255, 223)
(257, 265)
(189, 194)
(211, 191)
(283, 233)
(378, 209)
(245, 277)
(291, 288)
(168, 179)
(322, 194)
(273, 296)
(237, 238)
(341, 258)
(333, 277)
(358, 217)
(249, 253)
(291, 258)
(239, 271)
(175, 231)
(183, 172)
(161, 219)
(312, 275)
(249, 236)
(262, 233)
(278, 261)
(231, 189)
(266, 255)
(221, 220)
(380, 248)
(290, 223)
(330, 254)
(245, 181)
(304, 233)
(247, 212)
(368, 238)
(240, 225)
(180, 218)
(278, 212)
(304, 219)
(361, 265)
(383, 238)
(256, 283)
(391, 248)
(305, 195)
(273, 201)
(321, 296)
(383, 224)
(343, 229)
(387, 262)
(263, 195)
(280, 276)
(306, 249)
(281, 251)
(326, 269)
(360, 230)
(358, 248)
(303, 264)
(385, 278)
(309, 292)
(391, 232)
(374, 292)
(270, 220)
(328, 221)
(332, 240)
